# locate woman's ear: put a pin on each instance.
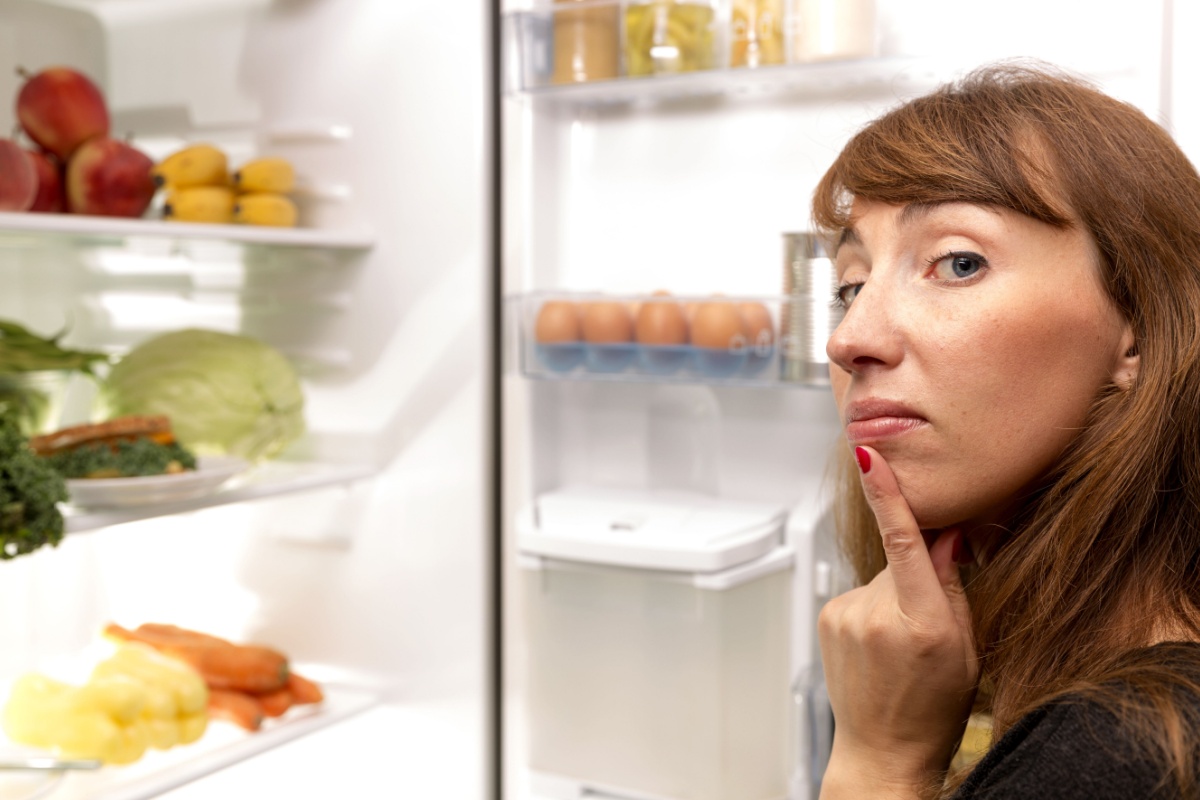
(1125, 371)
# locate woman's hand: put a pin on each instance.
(899, 658)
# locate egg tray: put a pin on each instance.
(583, 359)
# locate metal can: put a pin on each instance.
(809, 316)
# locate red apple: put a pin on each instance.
(50, 195)
(109, 177)
(60, 109)
(18, 177)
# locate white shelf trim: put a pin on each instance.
(92, 227)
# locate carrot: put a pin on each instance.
(276, 703)
(239, 708)
(304, 690)
(247, 668)
(222, 664)
(180, 634)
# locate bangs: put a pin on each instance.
(975, 141)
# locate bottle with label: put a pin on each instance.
(586, 40)
(756, 33)
(669, 36)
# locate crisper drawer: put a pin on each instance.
(652, 683)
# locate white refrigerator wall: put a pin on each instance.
(383, 107)
(692, 196)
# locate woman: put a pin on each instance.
(1018, 374)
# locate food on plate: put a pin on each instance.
(607, 322)
(303, 690)
(51, 194)
(265, 208)
(225, 394)
(558, 321)
(222, 664)
(18, 177)
(30, 491)
(60, 108)
(134, 700)
(44, 712)
(240, 708)
(200, 204)
(174, 708)
(661, 322)
(270, 174)
(123, 447)
(719, 324)
(195, 165)
(246, 683)
(109, 177)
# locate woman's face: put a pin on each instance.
(974, 342)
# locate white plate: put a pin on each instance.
(26, 784)
(210, 473)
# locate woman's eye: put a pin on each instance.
(844, 295)
(958, 265)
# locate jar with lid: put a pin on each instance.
(756, 33)
(669, 36)
(586, 40)
(828, 30)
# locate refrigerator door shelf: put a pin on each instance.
(530, 40)
(674, 531)
(667, 338)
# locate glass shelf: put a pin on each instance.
(269, 479)
(766, 342)
(529, 41)
(30, 230)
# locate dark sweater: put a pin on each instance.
(1075, 750)
(1061, 753)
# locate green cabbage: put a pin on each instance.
(224, 393)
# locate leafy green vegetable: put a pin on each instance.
(127, 459)
(224, 393)
(21, 350)
(30, 491)
(34, 371)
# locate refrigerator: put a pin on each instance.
(443, 548)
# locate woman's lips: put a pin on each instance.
(874, 429)
(874, 419)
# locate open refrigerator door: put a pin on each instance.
(666, 311)
(360, 551)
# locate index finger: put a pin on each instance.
(917, 584)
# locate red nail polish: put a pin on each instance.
(863, 458)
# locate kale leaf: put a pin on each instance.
(30, 491)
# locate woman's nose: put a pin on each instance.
(869, 336)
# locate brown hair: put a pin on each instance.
(1106, 557)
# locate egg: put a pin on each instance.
(760, 328)
(661, 322)
(607, 322)
(557, 321)
(719, 324)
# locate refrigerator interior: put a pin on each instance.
(686, 183)
(363, 551)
